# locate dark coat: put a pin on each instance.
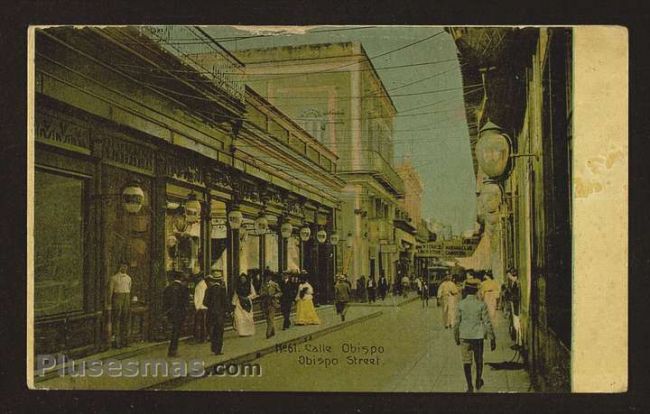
(216, 300)
(176, 298)
(288, 291)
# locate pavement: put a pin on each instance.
(390, 300)
(406, 349)
(236, 349)
(401, 347)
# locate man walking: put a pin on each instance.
(405, 286)
(472, 325)
(119, 294)
(286, 300)
(383, 287)
(341, 295)
(270, 294)
(176, 296)
(218, 308)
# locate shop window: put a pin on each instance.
(293, 253)
(271, 251)
(249, 255)
(59, 211)
(183, 236)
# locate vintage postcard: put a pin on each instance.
(327, 208)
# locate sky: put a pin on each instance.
(430, 126)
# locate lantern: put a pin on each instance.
(334, 239)
(321, 236)
(492, 150)
(286, 229)
(235, 219)
(193, 209)
(261, 225)
(305, 233)
(490, 198)
(132, 198)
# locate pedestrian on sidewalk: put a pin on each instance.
(305, 312)
(200, 311)
(286, 300)
(418, 283)
(383, 287)
(424, 292)
(472, 325)
(372, 289)
(119, 300)
(405, 286)
(448, 298)
(341, 295)
(242, 300)
(218, 309)
(361, 289)
(489, 293)
(270, 294)
(176, 296)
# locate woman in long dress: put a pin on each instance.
(447, 297)
(243, 300)
(305, 312)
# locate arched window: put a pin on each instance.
(314, 123)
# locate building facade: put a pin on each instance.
(525, 211)
(333, 91)
(141, 155)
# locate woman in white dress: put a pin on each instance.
(305, 312)
(243, 300)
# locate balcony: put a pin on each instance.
(385, 174)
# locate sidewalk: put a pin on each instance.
(440, 368)
(392, 300)
(236, 349)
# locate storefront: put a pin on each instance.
(117, 181)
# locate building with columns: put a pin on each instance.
(335, 94)
(145, 156)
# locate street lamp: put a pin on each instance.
(235, 219)
(305, 233)
(261, 225)
(132, 197)
(321, 236)
(493, 150)
(334, 238)
(286, 229)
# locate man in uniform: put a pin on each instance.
(470, 328)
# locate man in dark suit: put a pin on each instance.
(176, 298)
(216, 300)
(286, 300)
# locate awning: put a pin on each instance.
(480, 260)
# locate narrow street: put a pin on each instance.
(412, 353)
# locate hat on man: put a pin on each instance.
(215, 275)
(472, 284)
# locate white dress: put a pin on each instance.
(242, 320)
